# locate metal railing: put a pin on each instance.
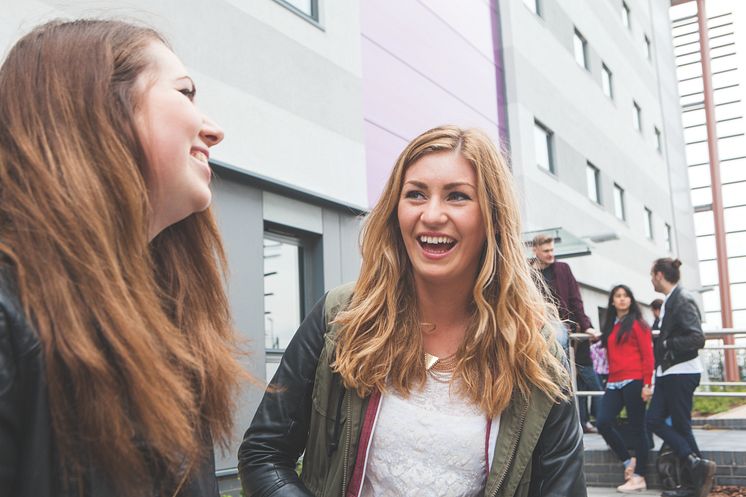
(709, 335)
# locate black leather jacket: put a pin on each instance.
(283, 428)
(28, 465)
(681, 333)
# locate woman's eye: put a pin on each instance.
(414, 194)
(458, 196)
(189, 92)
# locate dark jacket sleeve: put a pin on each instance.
(574, 302)
(10, 411)
(688, 334)
(277, 435)
(557, 465)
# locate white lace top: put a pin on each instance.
(431, 444)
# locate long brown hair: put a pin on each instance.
(137, 338)
(380, 334)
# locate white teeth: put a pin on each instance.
(436, 239)
(200, 156)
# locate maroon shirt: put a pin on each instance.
(566, 289)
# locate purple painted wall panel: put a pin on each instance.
(425, 63)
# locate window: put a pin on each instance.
(626, 16)
(580, 46)
(305, 8)
(592, 178)
(646, 48)
(619, 202)
(648, 224)
(293, 281)
(283, 262)
(606, 81)
(658, 139)
(534, 6)
(543, 145)
(667, 242)
(637, 116)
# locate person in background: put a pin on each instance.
(626, 338)
(562, 289)
(117, 352)
(436, 373)
(655, 307)
(600, 362)
(678, 372)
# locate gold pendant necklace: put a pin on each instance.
(440, 365)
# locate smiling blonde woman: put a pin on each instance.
(434, 374)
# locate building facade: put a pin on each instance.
(596, 138)
(318, 97)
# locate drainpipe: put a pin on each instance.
(726, 309)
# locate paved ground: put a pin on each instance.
(738, 412)
(611, 492)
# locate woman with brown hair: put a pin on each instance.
(434, 374)
(116, 348)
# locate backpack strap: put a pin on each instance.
(336, 300)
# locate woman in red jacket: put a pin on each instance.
(629, 347)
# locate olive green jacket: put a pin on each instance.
(538, 452)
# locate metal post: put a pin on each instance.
(573, 371)
(726, 310)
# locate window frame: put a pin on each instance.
(578, 37)
(310, 272)
(648, 218)
(594, 193)
(620, 209)
(637, 116)
(668, 241)
(607, 78)
(658, 139)
(626, 16)
(314, 17)
(549, 141)
(534, 6)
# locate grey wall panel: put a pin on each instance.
(331, 250)
(349, 247)
(239, 213)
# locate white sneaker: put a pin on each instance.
(635, 484)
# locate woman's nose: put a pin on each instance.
(433, 212)
(211, 133)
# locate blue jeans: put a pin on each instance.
(673, 396)
(611, 405)
(588, 381)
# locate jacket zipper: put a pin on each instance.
(347, 446)
(513, 450)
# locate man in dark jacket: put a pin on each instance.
(677, 374)
(565, 293)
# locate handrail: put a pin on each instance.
(709, 335)
(697, 393)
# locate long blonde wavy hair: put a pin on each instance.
(137, 340)
(503, 352)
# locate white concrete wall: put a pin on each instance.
(286, 91)
(545, 82)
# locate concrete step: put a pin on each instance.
(727, 448)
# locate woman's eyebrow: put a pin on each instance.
(187, 78)
(448, 186)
